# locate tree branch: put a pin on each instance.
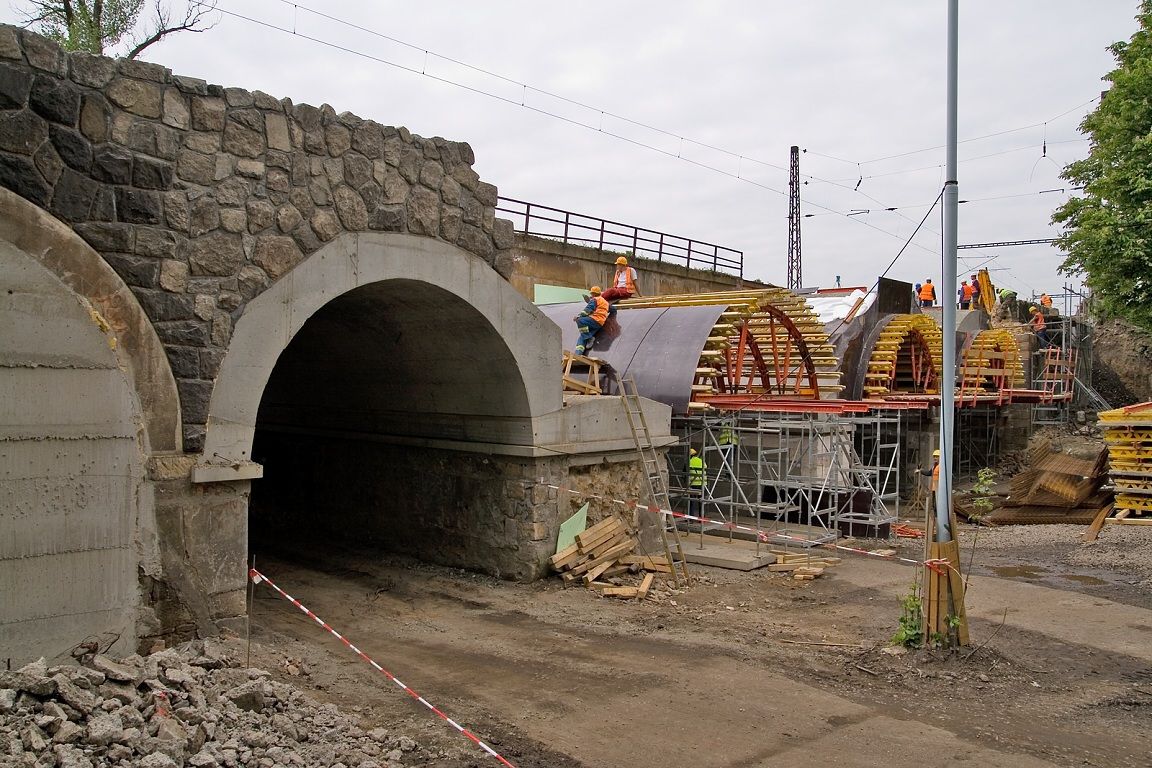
(195, 20)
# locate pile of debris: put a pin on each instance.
(1128, 434)
(803, 566)
(179, 707)
(1056, 488)
(602, 559)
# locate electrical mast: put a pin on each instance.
(794, 279)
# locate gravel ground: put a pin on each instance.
(1123, 550)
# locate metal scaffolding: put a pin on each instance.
(977, 439)
(795, 478)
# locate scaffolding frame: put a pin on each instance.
(977, 439)
(774, 472)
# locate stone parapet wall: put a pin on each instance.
(200, 196)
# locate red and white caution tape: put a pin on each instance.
(258, 578)
(935, 565)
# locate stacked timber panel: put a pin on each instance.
(1128, 435)
(603, 557)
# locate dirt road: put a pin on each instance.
(724, 674)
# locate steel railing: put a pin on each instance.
(604, 235)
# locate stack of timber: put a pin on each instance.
(1128, 435)
(1056, 488)
(803, 566)
(603, 557)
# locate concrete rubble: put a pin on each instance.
(188, 706)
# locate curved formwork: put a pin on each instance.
(905, 359)
(766, 343)
(991, 365)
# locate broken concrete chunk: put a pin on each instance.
(80, 700)
(104, 730)
(113, 670)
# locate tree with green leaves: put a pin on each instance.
(1107, 229)
(98, 26)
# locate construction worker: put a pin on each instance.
(696, 470)
(591, 320)
(1007, 295)
(964, 294)
(1039, 327)
(727, 440)
(623, 282)
(975, 290)
(1045, 301)
(934, 473)
(927, 293)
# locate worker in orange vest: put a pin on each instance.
(927, 293)
(592, 319)
(623, 282)
(934, 472)
(976, 291)
(1045, 300)
(964, 294)
(1040, 327)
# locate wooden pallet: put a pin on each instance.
(606, 551)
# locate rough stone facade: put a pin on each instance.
(200, 196)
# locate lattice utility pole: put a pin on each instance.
(794, 279)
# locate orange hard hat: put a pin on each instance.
(623, 262)
(594, 290)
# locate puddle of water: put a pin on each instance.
(1080, 579)
(1018, 571)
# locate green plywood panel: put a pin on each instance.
(572, 526)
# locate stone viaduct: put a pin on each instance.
(203, 286)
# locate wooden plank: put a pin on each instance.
(587, 543)
(625, 593)
(645, 585)
(610, 555)
(564, 555)
(1097, 524)
(597, 532)
(607, 544)
(595, 573)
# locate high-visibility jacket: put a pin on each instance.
(1045, 300)
(727, 437)
(696, 472)
(1038, 323)
(597, 309)
(936, 476)
(927, 292)
(966, 292)
(625, 278)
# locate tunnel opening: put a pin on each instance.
(386, 424)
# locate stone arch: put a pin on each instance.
(906, 357)
(413, 272)
(133, 340)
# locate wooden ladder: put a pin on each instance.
(656, 485)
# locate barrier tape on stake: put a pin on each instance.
(258, 578)
(939, 565)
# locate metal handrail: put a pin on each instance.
(606, 235)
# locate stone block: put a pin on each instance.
(233, 193)
(252, 169)
(320, 191)
(395, 188)
(73, 195)
(241, 141)
(72, 147)
(157, 243)
(154, 139)
(19, 174)
(193, 439)
(10, 43)
(424, 212)
(503, 234)
(276, 159)
(151, 174)
(450, 222)
(204, 142)
(176, 111)
(411, 160)
(467, 177)
(486, 193)
(368, 139)
(204, 306)
(472, 208)
(208, 113)
(193, 86)
(215, 254)
(137, 206)
(477, 241)
(251, 281)
(333, 170)
(210, 360)
(249, 118)
(372, 194)
(325, 224)
(301, 199)
(15, 85)
(44, 54)
(277, 181)
(112, 164)
(173, 275)
(233, 220)
(195, 395)
(176, 210)
(57, 101)
(350, 208)
(48, 162)
(238, 97)
(144, 70)
(223, 167)
(276, 254)
(134, 270)
(139, 98)
(357, 169)
(91, 70)
(187, 332)
(265, 101)
(94, 117)
(261, 215)
(337, 139)
(195, 167)
(22, 132)
(288, 218)
(388, 218)
(432, 175)
(104, 206)
(221, 329)
(108, 237)
(162, 305)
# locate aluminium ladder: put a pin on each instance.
(654, 479)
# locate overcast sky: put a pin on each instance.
(849, 82)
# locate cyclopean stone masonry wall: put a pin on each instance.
(201, 196)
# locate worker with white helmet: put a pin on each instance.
(624, 282)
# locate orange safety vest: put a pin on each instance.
(629, 283)
(967, 292)
(936, 476)
(927, 292)
(600, 314)
(1046, 300)
(1038, 323)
